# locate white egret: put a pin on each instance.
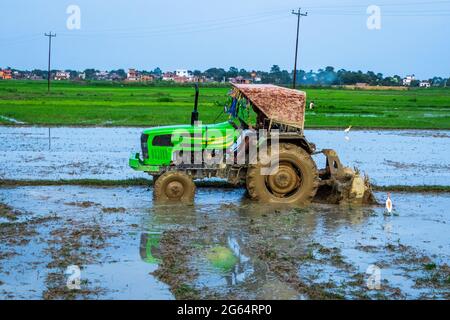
(389, 203)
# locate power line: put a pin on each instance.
(299, 14)
(210, 24)
(386, 14)
(200, 23)
(389, 4)
(180, 32)
(177, 31)
(50, 36)
(22, 40)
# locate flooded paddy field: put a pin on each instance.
(223, 246)
(116, 243)
(390, 157)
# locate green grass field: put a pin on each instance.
(134, 105)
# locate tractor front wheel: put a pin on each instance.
(174, 186)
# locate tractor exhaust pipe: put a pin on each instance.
(194, 115)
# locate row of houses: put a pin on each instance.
(178, 76)
(409, 80)
(8, 74)
(133, 75)
(99, 75)
(62, 75)
(5, 74)
(185, 76)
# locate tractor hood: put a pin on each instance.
(186, 127)
(166, 129)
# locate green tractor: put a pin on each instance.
(262, 145)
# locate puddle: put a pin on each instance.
(224, 246)
(102, 153)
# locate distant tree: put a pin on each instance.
(394, 81)
(90, 74)
(244, 73)
(275, 69)
(216, 73)
(121, 73)
(39, 73)
(344, 77)
(157, 72)
(371, 78)
(232, 72)
(327, 76)
(265, 77)
(379, 78)
(73, 74)
(301, 76)
(276, 75)
(414, 83)
(437, 81)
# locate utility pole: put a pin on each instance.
(50, 36)
(299, 14)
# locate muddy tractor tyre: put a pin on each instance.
(155, 177)
(294, 182)
(174, 186)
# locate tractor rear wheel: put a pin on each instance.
(294, 181)
(174, 186)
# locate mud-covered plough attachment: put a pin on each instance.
(340, 184)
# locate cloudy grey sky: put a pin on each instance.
(252, 34)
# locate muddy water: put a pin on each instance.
(403, 157)
(222, 247)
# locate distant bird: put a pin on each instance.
(348, 129)
(389, 203)
(347, 138)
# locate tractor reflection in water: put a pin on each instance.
(245, 249)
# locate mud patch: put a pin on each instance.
(114, 210)
(403, 165)
(75, 245)
(176, 249)
(8, 213)
(83, 204)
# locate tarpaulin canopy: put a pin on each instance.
(286, 106)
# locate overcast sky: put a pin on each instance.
(251, 34)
